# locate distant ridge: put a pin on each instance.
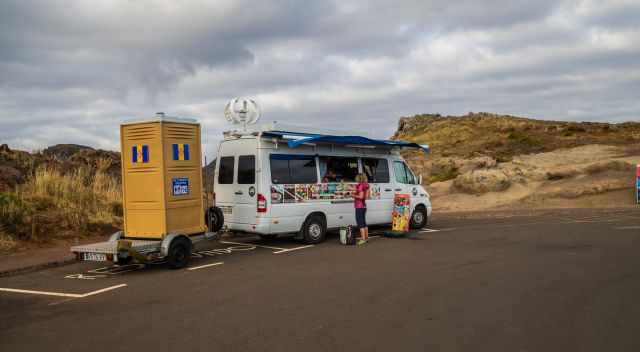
(504, 136)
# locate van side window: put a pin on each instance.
(403, 173)
(225, 174)
(411, 179)
(291, 169)
(377, 170)
(246, 169)
(338, 169)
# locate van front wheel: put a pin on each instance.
(314, 229)
(418, 218)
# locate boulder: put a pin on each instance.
(481, 181)
(9, 178)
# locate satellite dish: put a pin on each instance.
(242, 111)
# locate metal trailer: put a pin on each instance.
(175, 249)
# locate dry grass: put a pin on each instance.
(502, 137)
(54, 203)
(7, 242)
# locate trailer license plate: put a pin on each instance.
(95, 257)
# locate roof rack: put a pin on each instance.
(276, 126)
(299, 135)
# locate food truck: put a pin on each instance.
(276, 179)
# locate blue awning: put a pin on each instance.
(347, 140)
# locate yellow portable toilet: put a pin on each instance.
(162, 177)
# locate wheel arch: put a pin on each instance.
(420, 206)
(169, 239)
(315, 213)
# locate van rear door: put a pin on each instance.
(245, 191)
(224, 186)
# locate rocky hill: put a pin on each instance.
(483, 160)
(61, 193)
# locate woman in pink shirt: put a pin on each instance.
(360, 203)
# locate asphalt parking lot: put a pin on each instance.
(539, 281)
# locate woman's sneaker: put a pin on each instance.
(361, 242)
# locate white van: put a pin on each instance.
(278, 179)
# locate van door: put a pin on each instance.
(406, 182)
(245, 191)
(400, 184)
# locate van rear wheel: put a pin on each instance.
(314, 229)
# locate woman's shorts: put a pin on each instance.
(360, 217)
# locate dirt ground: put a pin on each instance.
(582, 177)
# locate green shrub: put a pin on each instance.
(448, 173)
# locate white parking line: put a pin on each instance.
(103, 290)
(428, 230)
(293, 249)
(251, 244)
(60, 294)
(205, 266)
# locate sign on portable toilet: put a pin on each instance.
(638, 184)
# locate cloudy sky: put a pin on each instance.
(71, 71)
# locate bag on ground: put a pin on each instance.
(347, 236)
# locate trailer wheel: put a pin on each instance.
(214, 219)
(418, 218)
(122, 261)
(314, 229)
(179, 253)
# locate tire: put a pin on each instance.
(314, 229)
(418, 218)
(179, 253)
(122, 261)
(214, 219)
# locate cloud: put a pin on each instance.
(71, 71)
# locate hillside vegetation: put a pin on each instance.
(65, 191)
(502, 137)
(484, 160)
